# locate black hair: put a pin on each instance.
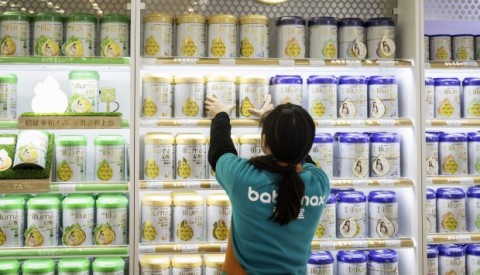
(289, 132)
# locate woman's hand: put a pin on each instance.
(215, 106)
(267, 106)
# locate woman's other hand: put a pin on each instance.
(214, 106)
(267, 106)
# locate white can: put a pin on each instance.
(382, 262)
(477, 47)
(186, 264)
(322, 33)
(326, 228)
(158, 35)
(352, 97)
(31, 149)
(159, 156)
(463, 47)
(287, 88)
(111, 220)
(109, 158)
(214, 264)
(191, 35)
(290, 37)
(447, 98)
(254, 36)
(8, 96)
(156, 218)
(190, 155)
(154, 265)
(252, 91)
(12, 221)
(223, 87)
(80, 39)
(426, 49)
(383, 214)
(473, 209)
(157, 96)
(188, 218)
(440, 47)
(15, 34)
(351, 38)
(473, 258)
(222, 36)
(250, 146)
(431, 211)
(385, 155)
(429, 108)
(383, 97)
(322, 153)
(47, 34)
(353, 155)
(451, 259)
(322, 96)
(450, 210)
(431, 154)
(78, 220)
(474, 153)
(219, 215)
(471, 97)
(320, 263)
(71, 158)
(432, 260)
(352, 262)
(189, 96)
(43, 222)
(453, 154)
(114, 35)
(381, 38)
(351, 215)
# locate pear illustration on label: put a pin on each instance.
(246, 48)
(349, 228)
(347, 109)
(73, 47)
(292, 48)
(378, 108)
(33, 237)
(7, 46)
(184, 170)
(151, 169)
(432, 166)
(151, 46)
(358, 50)
(3, 238)
(74, 235)
(184, 231)
(381, 166)
(320, 231)
(104, 234)
(189, 48)
(190, 108)
(461, 54)
(104, 171)
(149, 233)
(5, 160)
(386, 48)
(449, 222)
(64, 171)
(220, 230)
(474, 108)
(329, 50)
(446, 108)
(441, 53)
(149, 107)
(477, 164)
(451, 272)
(28, 154)
(318, 109)
(246, 104)
(450, 165)
(218, 48)
(360, 168)
(385, 228)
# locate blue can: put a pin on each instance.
(322, 152)
(450, 210)
(351, 215)
(383, 97)
(474, 153)
(473, 258)
(351, 38)
(287, 88)
(451, 259)
(352, 262)
(431, 156)
(429, 98)
(447, 98)
(353, 155)
(291, 37)
(473, 209)
(432, 259)
(381, 38)
(320, 262)
(385, 155)
(322, 34)
(352, 97)
(431, 209)
(382, 214)
(383, 261)
(322, 96)
(471, 97)
(453, 154)
(326, 228)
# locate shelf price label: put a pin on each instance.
(360, 183)
(188, 122)
(227, 61)
(393, 243)
(147, 249)
(189, 248)
(386, 63)
(327, 245)
(353, 63)
(66, 188)
(286, 62)
(317, 62)
(467, 181)
(186, 60)
(361, 244)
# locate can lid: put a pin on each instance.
(451, 250)
(473, 249)
(351, 196)
(462, 35)
(48, 16)
(108, 264)
(189, 79)
(186, 261)
(426, 35)
(112, 201)
(383, 256)
(196, 139)
(43, 203)
(382, 80)
(187, 199)
(353, 138)
(191, 18)
(219, 199)
(287, 79)
(385, 137)
(380, 21)
(352, 80)
(474, 136)
(58, 196)
(214, 260)
(24, 197)
(220, 78)
(14, 15)
(162, 78)
(321, 258)
(440, 35)
(12, 203)
(331, 198)
(452, 137)
(321, 79)
(158, 17)
(78, 202)
(8, 78)
(222, 19)
(450, 193)
(36, 266)
(348, 22)
(447, 81)
(253, 19)
(322, 20)
(352, 256)
(159, 138)
(323, 138)
(429, 81)
(114, 18)
(473, 192)
(250, 139)
(156, 200)
(430, 137)
(155, 261)
(382, 196)
(431, 194)
(10, 266)
(290, 20)
(250, 79)
(73, 265)
(81, 17)
(72, 140)
(109, 140)
(83, 75)
(432, 251)
(471, 81)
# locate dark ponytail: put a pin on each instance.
(289, 132)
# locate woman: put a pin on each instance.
(277, 199)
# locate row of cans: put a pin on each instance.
(453, 259)
(193, 264)
(446, 47)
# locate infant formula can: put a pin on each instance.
(71, 158)
(352, 97)
(157, 96)
(431, 209)
(450, 210)
(111, 220)
(287, 88)
(8, 96)
(320, 262)
(432, 260)
(473, 258)
(12, 221)
(447, 98)
(84, 91)
(80, 39)
(477, 47)
(110, 158)
(453, 154)
(188, 218)
(159, 156)
(213, 264)
(10, 267)
(353, 155)
(222, 36)
(219, 215)
(473, 209)
(77, 266)
(383, 97)
(382, 262)
(190, 156)
(156, 218)
(43, 222)
(326, 228)
(114, 35)
(431, 154)
(252, 91)
(426, 45)
(385, 155)
(191, 35)
(14, 34)
(189, 96)
(186, 264)
(440, 47)
(158, 34)
(154, 264)
(322, 96)
(471, 97)
(429, 108)
(223, 87)
(351, 38)
(351, 215)
(474, 153)
(38, 267)
(381, 38)
(322, 34)
(291, 37)
(47, 34)
(322, 153)
(463, 47)
(451, 259)
(353, 262)
(78, 218)
(383, 214)
(250, 146)
(31, 149)
(108, 266)
(254, 36)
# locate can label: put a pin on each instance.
(325, 269)
(218, 226)
(381, 42)
(440, 48)
(8, 101)
(225, 91)
(159, 161)
(48, 37)
(78, 226)
(477, 47)
(385, 160)
(156, 225)
(463, 48)
(322, 155)
(383, 101)
(254, 41)
(31, 149)
(151, 271)
(108, 273)
(352, 101)
(474, 158)
(12, 228)
(15, 38)
(473, 264)
(84, 95)
(353, 160)
(188, 223)
(352, 42)
(352, 268)
(432, 266)
(251, 96)
(473, 215)
(80, 39)
(110, 163)
(323, 41)
(351, 220)
(451, 265)
(191, 39)
(114, 40)
(191, 163)
(213, 271)
(249, 151)
(322, 100)
(283, 93)
(222, 40)
(112, 226)
(429, 102)
(185, 271)
(71, 163)
(326, 225)
(451, 215)
(158, 39)
(383, 219)
(382, 268)
(453, 158)
(471, 101)
(42, 227)
(431, 158)
(447, 101)
(189, 100)
(431, 216)
(157, 100)
(291, 41)
(76, 273)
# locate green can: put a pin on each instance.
(31, 149)
(12, 221)
(73, 266)
(80, 35)
(84, 91)
(47, 34)
(111, 220)
(78, 220)
(43, 222)
(25, 197)
(110, 158)
(108, 266)
(71, 158)
(38, 267)
(9, 267)
(14, 34)
(114, 35)
(8, 97)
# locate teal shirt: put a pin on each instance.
(261, 245)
